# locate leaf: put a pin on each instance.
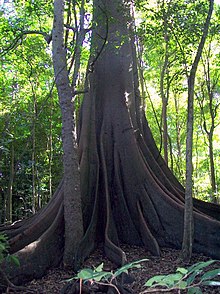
(167, 280)
(99, 268)
(211, 283)
(172, 279)
(192, 276)
(85, 274)
(181, 285)
(2, 247)
(182, 270)
(210, 274)
(1, 257)
(101, 275)
(3, 238)
(89, 274)
(13, 259)
(200, 265)
(124, 269)
(155, 279)
(194, 290)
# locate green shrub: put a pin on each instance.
(4, 255)
(101, 277)
(190, 279)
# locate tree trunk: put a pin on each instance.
(164, 94)
(212, 169)
(9, 201)
(212, 110)
(72, 197)
(188, 213)
(179, 162)
(129, 195)
(33, 159)
(50, 147)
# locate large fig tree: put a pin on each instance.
(128, 193)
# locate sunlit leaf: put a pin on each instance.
(194, 290)
(210, 274)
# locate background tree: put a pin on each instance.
(209, 103)
(27, 73)
(188, 213)
(184, 25)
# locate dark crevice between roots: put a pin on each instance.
(147, 238)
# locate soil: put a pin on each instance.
(55, 281)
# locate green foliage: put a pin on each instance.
(29, 106)
(97, 274)
(3, 247)
(190, 279)
(30, 120)
(4, 255)
(169, 34)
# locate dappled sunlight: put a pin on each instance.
(127, 99)
(31, 247)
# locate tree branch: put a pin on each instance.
(13, 45)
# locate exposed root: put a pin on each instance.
(9, 287)
(37, 257)
(27, 231)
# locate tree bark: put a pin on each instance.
(33, 157)
(9, 201)
(179, 162)
(212, 110)
(188, 213)
(164, 93)
(50, 147)
(72, 197)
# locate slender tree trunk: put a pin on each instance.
(9, 201)
(213, 107)
(50, 143)
(213, 113)
(78, 46)
(33, 164)
(188, 214)
(212, 168)
(164, 86)
(179, 159)
(35, 195)
(164, 104)
(72, 196)
(171, 153)
(210, 134)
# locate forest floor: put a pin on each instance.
(56, 279)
